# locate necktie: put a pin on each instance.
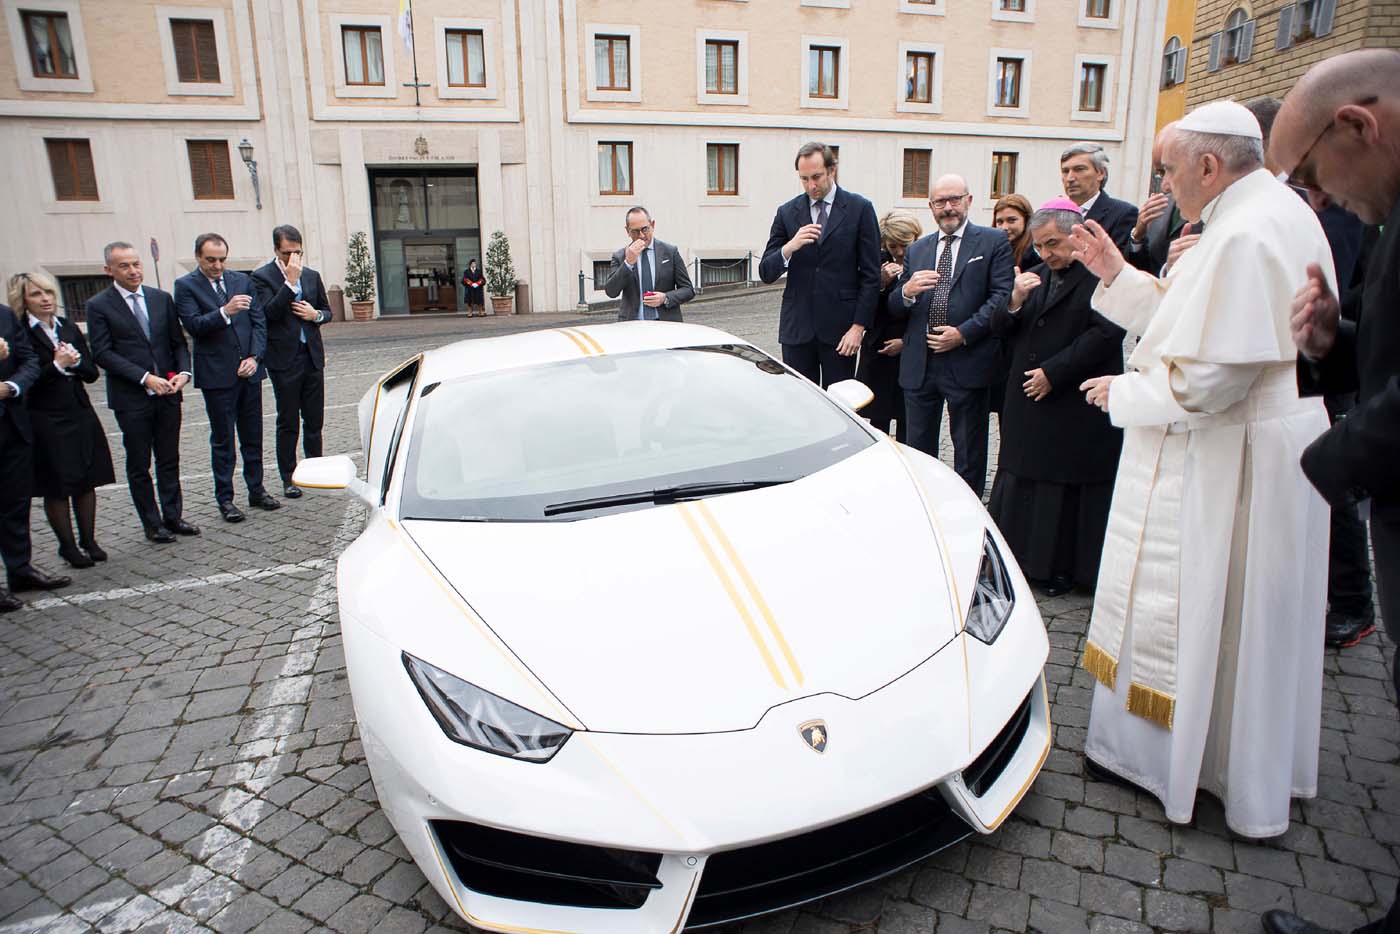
(219, 292)
(141, 317)
(821, 214)
(1057, 279)
(647, 283)
(938, 306)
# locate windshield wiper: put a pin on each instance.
(669, 494)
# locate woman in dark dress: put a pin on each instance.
(474, 284)
(878, 367)
(71, 457)
(1059, 455)
(1012, 215)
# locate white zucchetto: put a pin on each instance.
(1223, 118)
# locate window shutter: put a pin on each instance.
(201, 179)
(207, 51)
(1285, 27)
(909, 172)
(1215, 40)
(223, 171)
(186, 57)
(1181, 66)
(85, 175)
(1247, 42)
(1325, 15)
(64, 184)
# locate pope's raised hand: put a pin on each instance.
(1096, 250)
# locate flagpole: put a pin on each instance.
(413, 52)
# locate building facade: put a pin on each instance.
(153, 122)
(1241, 49)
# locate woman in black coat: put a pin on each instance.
(71, 457)
(1058, 454)
(878, 367)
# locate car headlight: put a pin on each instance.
(481, 720)
(992, 595)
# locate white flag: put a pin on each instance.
(406, 24)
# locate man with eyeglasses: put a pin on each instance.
(1206, 631)
(954, 279)
(648, 274)
(1338, 132)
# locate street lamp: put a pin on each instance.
(245, 149)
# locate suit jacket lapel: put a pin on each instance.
(835, 215)
(966, 249)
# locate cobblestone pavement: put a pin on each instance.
(178, 749)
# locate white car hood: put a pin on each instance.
(634, 620)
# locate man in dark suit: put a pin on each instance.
(952, 281)
(19, 368)
(649, 275)
(216, 307)
(294, 302)
(1159, 222)
(827, 240)
(136, 338)
(1084, 173)
(1344, 114)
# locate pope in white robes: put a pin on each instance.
(1207, 629)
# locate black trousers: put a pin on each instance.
(1385, 543)
(300, 393)
(819, 362)
(16, 475)
(968, 413)
(236, 409)
(154, 429)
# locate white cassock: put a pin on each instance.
(1207, 629)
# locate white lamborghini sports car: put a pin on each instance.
(646, 632)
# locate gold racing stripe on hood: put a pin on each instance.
(752, 588)
(728, 583)
(597, 347)
(577, 341)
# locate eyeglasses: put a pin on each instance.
(1304, 175)
(947, 202)
(639, 231)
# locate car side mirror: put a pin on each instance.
(336, 472)
(851, 393)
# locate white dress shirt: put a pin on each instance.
(51, 331)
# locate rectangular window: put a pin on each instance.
(364, 55)
(614, 168)
(824, 66)
(1013, 6)
(721, 66)
(722, 168)
(611, 56)
(76, 292)
(51, 52)
(723, 271)
(601, 268)
(466, 58)
(1003, 174)
(196, 54)
(1009, 82)
(916, 169)
(1091, 82)
(919, 78)
(70, 161)
(1096, 9)
(211, 176)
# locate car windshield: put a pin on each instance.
(545, 442)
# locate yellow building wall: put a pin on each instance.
(1171, 102)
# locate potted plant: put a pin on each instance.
(500, 274)
(359, 277)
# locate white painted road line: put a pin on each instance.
(187, 583)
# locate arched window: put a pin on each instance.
(1235, 26)
(1173, 63)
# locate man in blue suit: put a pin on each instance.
(828, 242)
(229, 332)
(952, 281)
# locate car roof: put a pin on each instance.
(554, 345)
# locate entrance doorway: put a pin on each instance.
(427, 228)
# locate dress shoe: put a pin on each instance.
(1345, 631)
(1286, 922)
(160, 535)
(263, 500)
(1058, 585)
(35, 579)
(9, 602)
(94, 550)
(291, 491)
(181, 527)
(75, 556)
(231, 513)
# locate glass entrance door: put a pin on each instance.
(426, 227)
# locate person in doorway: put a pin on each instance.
(474, 290)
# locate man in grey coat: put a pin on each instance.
(648, 274)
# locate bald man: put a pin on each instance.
(953, 280)
(1159, 221)
(1342, 115)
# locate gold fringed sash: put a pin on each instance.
(1150, 704)
(1101, 665)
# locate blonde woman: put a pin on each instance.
(884, 340)
(71, 457)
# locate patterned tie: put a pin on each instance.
(648, 285)
(219, 292)
(140, 314)
(938, 306)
